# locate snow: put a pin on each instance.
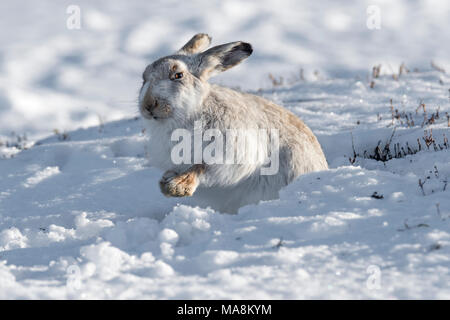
(81, 213)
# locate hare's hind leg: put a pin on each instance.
(183, 184)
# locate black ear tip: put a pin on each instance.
(246, 47)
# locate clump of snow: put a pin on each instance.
(12, 238)
(168, 236)
(188, 223)
(107, 260)
(134, 233)
(40, 176)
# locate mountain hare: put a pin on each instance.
(266, 145)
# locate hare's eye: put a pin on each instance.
(178, 75)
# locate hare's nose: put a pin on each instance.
(151, 106)
(148, 107)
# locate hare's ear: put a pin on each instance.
(197, 44)
(221, 58)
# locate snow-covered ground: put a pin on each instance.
(81, 214)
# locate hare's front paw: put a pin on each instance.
(178, 185)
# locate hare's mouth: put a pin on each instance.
(156, 111)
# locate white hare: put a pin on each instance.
(176, 95)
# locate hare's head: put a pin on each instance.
(175, 86)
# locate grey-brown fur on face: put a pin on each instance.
(157, 100)
(223, 187)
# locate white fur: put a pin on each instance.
(226, 187)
